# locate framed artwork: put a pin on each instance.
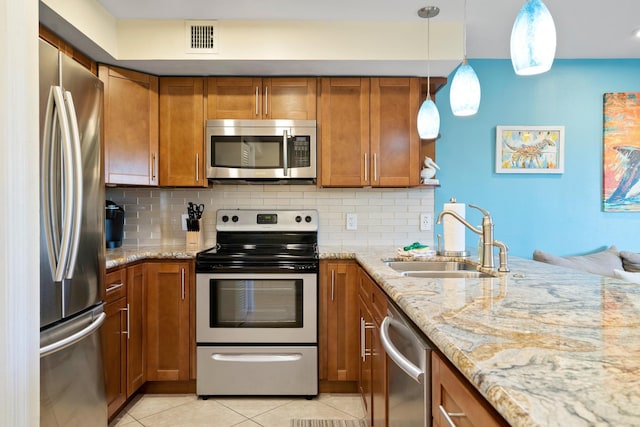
(529, 149)
(621, 155)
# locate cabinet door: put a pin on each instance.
(462, 403)
(339, 321)
(365, 361)
(136, 352)
(130, 126)
(167, 324)
(289, 98)
(343, 132)
(395, 144)
(114, 342)
(182, 132)
(234, 98)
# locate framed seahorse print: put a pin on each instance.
(529, 149)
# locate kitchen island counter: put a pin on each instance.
(545, 345)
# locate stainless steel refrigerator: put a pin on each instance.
(71, 243)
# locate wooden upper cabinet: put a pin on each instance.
(395, 144)
(258, 98)
(130, 126)
(368, 134)
(182, 132)
(343, 132)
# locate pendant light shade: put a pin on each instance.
(464, 95)
(428, 120)
(465, 91)
(533, 39)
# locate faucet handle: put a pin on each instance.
(484, 212)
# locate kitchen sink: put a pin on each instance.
(419, 266)
(446, 274)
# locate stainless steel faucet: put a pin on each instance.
(487, 238)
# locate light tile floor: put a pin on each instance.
(187, 410)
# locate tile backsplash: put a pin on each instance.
(384, 216)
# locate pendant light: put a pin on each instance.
(533, 39)
(464, 95)
(428, 115)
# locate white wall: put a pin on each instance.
(19, 308)
(385, 216)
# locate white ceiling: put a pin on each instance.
(585, 28)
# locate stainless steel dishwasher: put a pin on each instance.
(409, 376)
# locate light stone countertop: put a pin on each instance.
(545, 345)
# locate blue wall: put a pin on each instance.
(563, 213)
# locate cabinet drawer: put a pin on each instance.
(379, 302)
(115, 285)
(461, 402)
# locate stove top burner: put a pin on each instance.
(263, 241)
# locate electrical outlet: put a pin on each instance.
(352, 221)
(426, 222)
(184, 222)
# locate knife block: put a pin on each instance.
(195, 239)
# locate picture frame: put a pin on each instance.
(530, 149)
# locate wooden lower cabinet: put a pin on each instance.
(123, 335)
(373, 359)
(167, 294)
(338, 324)
(451, 394)
(136, 310)
(114, 340)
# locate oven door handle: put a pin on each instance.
(256, 357)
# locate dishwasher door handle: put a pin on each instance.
(405, 364)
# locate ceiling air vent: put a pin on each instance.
(202, 36)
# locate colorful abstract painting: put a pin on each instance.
(529, 149)
(621, 157)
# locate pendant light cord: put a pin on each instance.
(428, 58)
(464, 32)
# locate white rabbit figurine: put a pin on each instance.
(429, 169)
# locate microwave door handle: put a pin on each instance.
(285, 143)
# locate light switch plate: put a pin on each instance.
(184, 222)
(352, 221)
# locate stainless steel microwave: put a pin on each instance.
(261, 149)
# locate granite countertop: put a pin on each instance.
(544, 345)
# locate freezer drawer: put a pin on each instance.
(274, 370)
(71, 375)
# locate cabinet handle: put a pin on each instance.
(257, 104)
(266, 101)
(447, 416)
(366, 167)
(375, 167)
(182, 282)
(197, 167)
(363, 338)
(153, 167)
(333, 283)
(127, 331)
(114, 287)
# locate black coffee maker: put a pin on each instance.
(114, 224)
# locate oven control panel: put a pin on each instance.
(267, 220)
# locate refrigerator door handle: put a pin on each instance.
(74, 338)
(77, 183)
(58, 241)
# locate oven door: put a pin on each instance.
(256, 308)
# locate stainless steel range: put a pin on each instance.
(256, 305)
